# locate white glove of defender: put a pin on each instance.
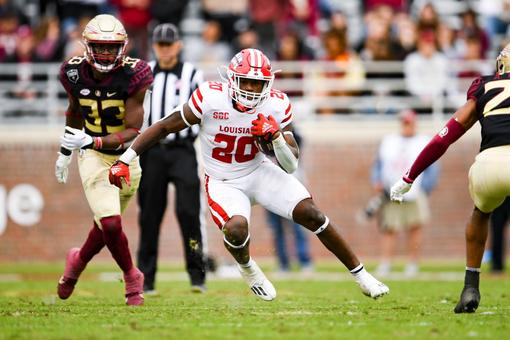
(74, 139)
(61, 167)
(399, 189)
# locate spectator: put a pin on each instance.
(406, 33)
(247, 37)
(9, 24)
(135, 15)
(426, 72)
(470, 29)
(291, 48)
(264, 15)
(496, 14)
(446, 39)
(49, 45)
(229, 14)
(209, 48)
(395, 154)
(71, 11)
(24, 55)
(428, 18)
(348, 74)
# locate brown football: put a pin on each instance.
(264, 146)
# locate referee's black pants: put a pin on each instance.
(499, 220)
(163, 164)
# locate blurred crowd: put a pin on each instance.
(421, 34)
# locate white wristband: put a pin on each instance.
(284, 154)
(128, 156)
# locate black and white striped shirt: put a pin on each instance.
(170, 89)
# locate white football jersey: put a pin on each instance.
(227, 145)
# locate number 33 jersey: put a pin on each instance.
(227, 144)
(102, 102)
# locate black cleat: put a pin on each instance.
(469, 300)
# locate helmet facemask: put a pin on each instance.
(105, 56)
(249, 64)
(248, 99)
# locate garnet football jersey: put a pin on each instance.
(102, 103)
(492, 95)
(227, 144)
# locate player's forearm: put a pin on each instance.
(116, 140)
(286, 154)
(435, 149)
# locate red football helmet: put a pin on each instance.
(105, 41)
(250, 63)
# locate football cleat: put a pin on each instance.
(134, 287)
(257, 281)
(74, 267)
(469, 300)
(372, 287)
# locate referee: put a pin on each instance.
(173, 160)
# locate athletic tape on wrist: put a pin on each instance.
(237, 247)
(322, 227)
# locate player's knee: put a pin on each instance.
(307, 214)
(235, 231)
(111, 225)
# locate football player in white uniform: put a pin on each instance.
(232, 114)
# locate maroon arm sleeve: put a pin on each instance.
(452, 131)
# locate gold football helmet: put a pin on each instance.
(105, 41)
(503, 60)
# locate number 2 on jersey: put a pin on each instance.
(225, 154)
(490, 107)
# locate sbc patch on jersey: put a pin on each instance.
(72, 75)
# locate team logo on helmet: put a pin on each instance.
(105, 41)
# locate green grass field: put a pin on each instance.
(305, 308)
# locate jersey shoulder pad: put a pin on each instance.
(280, 104)
(139, 72)
(70, 72)
(473, 91)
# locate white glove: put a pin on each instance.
(74, 139)
(61, 167)
(399, 189)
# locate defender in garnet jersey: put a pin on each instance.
(106, 91)
(230, 114)
(488, 101)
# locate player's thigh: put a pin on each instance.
(226, 200)
(103, 198)
(127, 193)
(489, 178)
(276, 190)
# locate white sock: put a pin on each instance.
(359, 271)
(247, 264)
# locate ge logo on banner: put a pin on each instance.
(23, 205)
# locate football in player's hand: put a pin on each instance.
(264, 146)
